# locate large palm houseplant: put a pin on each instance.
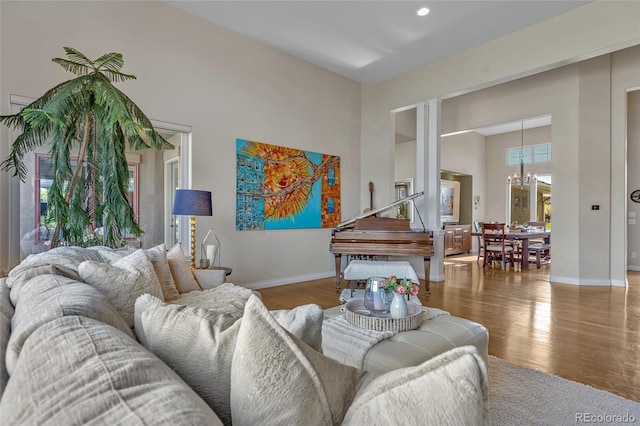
(87, 116)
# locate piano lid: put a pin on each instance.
(381, 209)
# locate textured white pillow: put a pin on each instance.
(304, 322)
(158, 257)
(276, 376)
(47, 297)
(123, 281)
(210, 335)
(181, 271)
(450, 389)
(196, 343)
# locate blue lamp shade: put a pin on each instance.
(192, 202)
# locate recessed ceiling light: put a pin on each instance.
(422, 11)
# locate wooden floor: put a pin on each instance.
(586, 334)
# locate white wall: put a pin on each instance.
(633, 178)
(585, 32)
(405, 160)
(224, 86)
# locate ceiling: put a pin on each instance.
(372, 41)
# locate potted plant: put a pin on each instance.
(90, 115)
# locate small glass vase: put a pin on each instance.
(376, 298)
(398, 308)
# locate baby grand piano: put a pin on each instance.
(381, 236)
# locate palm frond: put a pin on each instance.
(74, 67)
(145, 128)
(112, 61)
(110, 65)
(77, 56)
(30, 139)
(116, 76)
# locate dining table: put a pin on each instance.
(524, 236)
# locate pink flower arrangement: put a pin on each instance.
(402, 286)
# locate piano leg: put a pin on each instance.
(427, 272)
(338, 260)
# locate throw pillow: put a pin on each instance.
(47, 297)
(158, 257)
(304, 322)
(60, 261)
(448, 389)
(210, 336)
(276, 376)
(109, 254)
(123, 281)
(181, 271)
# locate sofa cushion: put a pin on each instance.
(6, 313)
(60, 260)
(451, 388)
(123, 281)
(275, 375)
(76, 371)
(47, 297)
(210, 336)
(181, 271)
(226, 298)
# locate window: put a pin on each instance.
(542, 153)
(535, 154)
(513, 156)
(44, 172)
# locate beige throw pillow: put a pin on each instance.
(450, 389)
(276, 376)
(181, 271)
(123, 281)
(199, 343)
(158, 257)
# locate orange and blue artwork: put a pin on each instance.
(284, 188)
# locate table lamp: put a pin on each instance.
(192, 202)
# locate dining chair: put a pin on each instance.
(536, 225)
(538, 246)
(496, 246)
(477, 227)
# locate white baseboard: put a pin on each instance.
(289, 280)
(619, 283)
(437, 278)
(633, 267)
(574, 281)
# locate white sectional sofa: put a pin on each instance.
(89, 336)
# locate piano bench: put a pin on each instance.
(358, 270)
(433, 337)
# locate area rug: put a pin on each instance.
(522, 396)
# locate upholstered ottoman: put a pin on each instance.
(362, 270)
(433, 337)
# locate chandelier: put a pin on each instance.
(521, 180)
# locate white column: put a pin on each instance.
(533, 199)
(507, 213)
(428, 176)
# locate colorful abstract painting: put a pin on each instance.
(285, 188)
